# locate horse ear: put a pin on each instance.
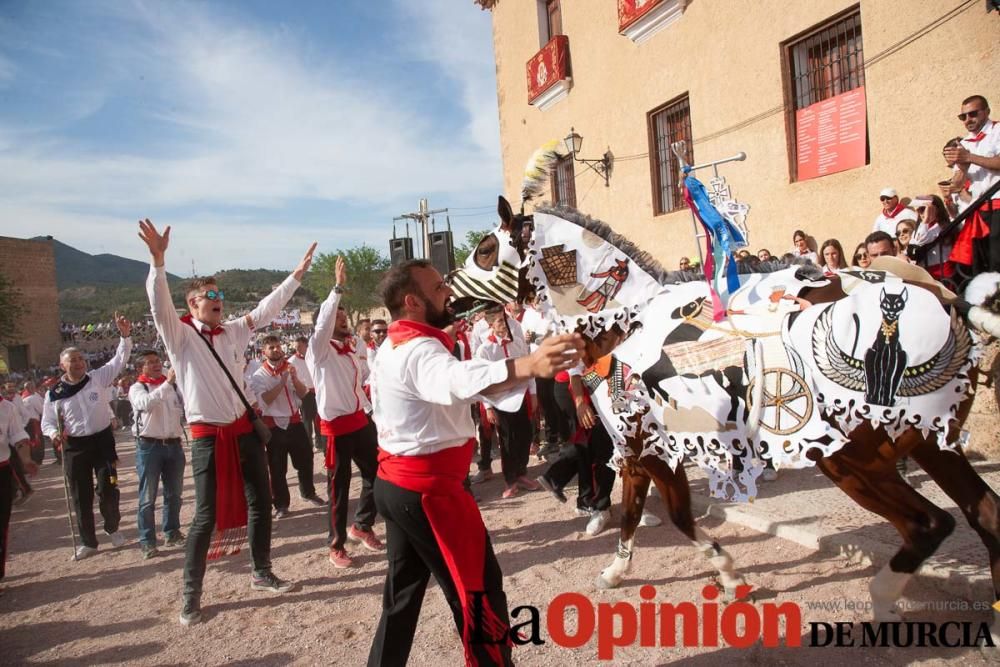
(505, 212)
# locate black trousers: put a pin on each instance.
(485, 434)
(309, 420)
(293, 443)
(556, 425)
(86, 458)
(589, 462)
(514, 432)
(414, 556)
(361, 447)
(253, 464)
(6, 501)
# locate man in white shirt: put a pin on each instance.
(158, 430)
(309, 414)
(513, 428)
(380, 328)
(280, 390)
(978, 160)
(8, 390)
(77, 418)
(33, 400)
(421, 395)
(892, 213)
(228, 461)
(339, 373)
(11, 435)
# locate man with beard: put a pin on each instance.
(76, 417)
(339, 372)
(422, 394)
(280, 390)
(228, 463)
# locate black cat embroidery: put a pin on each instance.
(885, 361)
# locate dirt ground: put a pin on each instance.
(115, 608)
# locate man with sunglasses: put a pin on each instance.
(228, 461)
(379, 331)
(977, 159)
(892, 213)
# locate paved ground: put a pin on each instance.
(117, 609)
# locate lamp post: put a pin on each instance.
(603, 166)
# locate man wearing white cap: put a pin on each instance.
(892, 213)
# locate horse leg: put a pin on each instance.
(635, 485)
(978, 502)
(676, 493)
(868, 475)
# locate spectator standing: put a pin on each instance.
(892, 212)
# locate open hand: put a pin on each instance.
(300, 270)
(124, 326)
(156, 242)
(340, 271)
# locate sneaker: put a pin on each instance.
(482, 476)
(583, 511)
(280, 513)
(175, 538)
(316, 500)
(511, 491)
(528, 484)
(23, 498)
(366, 538)
(339, 559)
(84, 551)
(649, 520)
(598, 522)
(270, 583)
(545, 451)
(190, 612)
(148, 551)
(117, 539)
(544, 482)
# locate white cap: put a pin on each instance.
(888, 192)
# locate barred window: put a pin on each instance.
(564, 182)
(827, 62)
(667, 124)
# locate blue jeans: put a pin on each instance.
(154, 461)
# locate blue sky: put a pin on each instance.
(252, 127)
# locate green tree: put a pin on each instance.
(472, 239)
(365, 268)
(11, 310)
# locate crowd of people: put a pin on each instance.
(411, 403)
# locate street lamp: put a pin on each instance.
(603, 166)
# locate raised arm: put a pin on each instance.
(272, 304)
(106, 374)
(326, 320)
(160, 302)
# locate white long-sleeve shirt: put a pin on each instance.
(285, 405)
(11, 430)
(494, 349)
(208, 395)
(86, 412)
(302, 369)
(338, 378)
(158, 411)
(33, 406)
(422, 393)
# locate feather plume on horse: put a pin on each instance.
(536, 172)
(797, 353)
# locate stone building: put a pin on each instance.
(30, 265)
(831, 100)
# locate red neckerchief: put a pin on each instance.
(503, 343)
(403, 331)
(275, 372)
(347, 347)
(371, 345)
(211, 333)
(895, 211)
(145, 379)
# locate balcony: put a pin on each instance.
(548, 74)
(641, 19)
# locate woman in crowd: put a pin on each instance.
(861, 258)
(932, 217)
(832, 254)
(904, 234)
(800, 247)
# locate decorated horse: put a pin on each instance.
(782, 367)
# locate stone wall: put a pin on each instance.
(31, 267)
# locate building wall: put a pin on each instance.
(31, 266)
(727, 57)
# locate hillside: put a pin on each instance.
(75, 268)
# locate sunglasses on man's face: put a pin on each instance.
(971, 114)
(379, 332)
(885, 198)
(213, 295)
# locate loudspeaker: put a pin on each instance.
(400, 249)
(442, 252)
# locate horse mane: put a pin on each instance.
(650, 265)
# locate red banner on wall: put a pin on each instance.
(548, 66)
(831, 135)
(630, 11)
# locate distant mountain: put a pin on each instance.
(75, 268)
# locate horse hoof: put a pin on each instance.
(605, 584)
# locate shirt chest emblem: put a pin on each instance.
(92, 396)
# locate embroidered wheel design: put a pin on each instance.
(787, 401)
